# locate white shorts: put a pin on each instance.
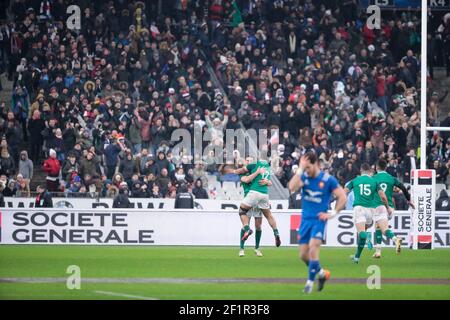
(255, 213)
(381, 213)
(363, 215)
(257, 200)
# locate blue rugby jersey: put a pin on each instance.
(316, 194)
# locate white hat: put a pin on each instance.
(171, 90)
(316, 87)
(52, 152)
(223, 60)
(371, 48)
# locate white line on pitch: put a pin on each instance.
(118, 294)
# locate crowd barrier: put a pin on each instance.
(100, 226)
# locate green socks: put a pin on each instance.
(275, 232)
(390, 235)
(242, 242)
(257, 238)
(362, 237)
(378, 236)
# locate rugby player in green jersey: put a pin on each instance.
(387, 183)
(258, 196)
(255, 212)
(364, 188)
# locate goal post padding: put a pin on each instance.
(423, 194)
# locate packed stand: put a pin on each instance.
(320, 75)
(97, 107)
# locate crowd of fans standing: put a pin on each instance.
(95, 108)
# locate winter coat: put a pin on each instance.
(26, 166)
(52, 167)
(127, 168)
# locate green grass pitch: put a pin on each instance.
(112, 272)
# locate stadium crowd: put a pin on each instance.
(96, 107)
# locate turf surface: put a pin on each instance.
(275, 273)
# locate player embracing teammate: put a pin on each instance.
(257, 197)
(255, 212)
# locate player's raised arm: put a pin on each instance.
(296, 181)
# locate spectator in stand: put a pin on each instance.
(26, 168)
(43, 198)
(121, 200)
(295, 200)
(155, 193)
(443, 202)
(2, 197)
(184, 199)
(400, 202)
(7, 166)
(198, 191)
(52, 167)
(409, 163)
(140, 75)
(127, 167)
(70, 169)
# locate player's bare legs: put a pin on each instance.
(268, 214)
(258, 233)
(304, 253)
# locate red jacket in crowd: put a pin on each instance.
(52, 167)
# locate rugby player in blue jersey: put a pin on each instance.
(317, 189)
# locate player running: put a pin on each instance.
(317, 188)
(387, 183)
(364, 188)
(255, 212)
(257, 196)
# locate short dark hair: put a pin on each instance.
(365, 167)
(311, 156)
(382, 164)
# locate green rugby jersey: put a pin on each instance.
(245, 186)
(387, 184)
(254, 186)
(364, 187)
